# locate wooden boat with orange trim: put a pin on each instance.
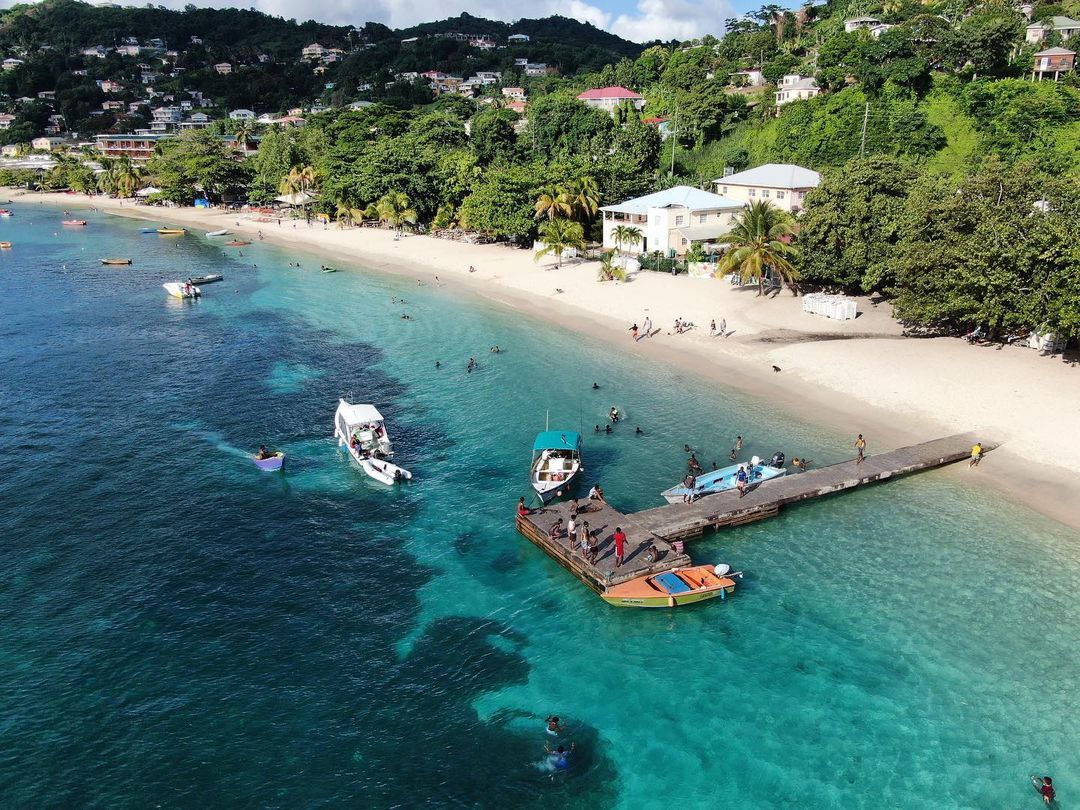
(674, 588)
(172, 231)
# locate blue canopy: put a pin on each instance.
(558, 440)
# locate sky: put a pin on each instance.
(636, 20)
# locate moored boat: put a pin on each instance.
(270, 462)
(116, 261)
(674, 588)
(361, 430)
(328, 269)
(172, 231)
(236, 243)
(5, 245)
(708, 483)
(79, 222)
(222, 232)
(182, 289)
(556, 462)
(147, 230)
(4, 212)
(212, 278)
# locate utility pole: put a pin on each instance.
(674, 135)
(866, 115)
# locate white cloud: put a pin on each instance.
(650, 19)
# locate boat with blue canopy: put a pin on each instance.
(556, 462)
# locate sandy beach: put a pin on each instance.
(859, 376)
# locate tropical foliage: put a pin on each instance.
(758, 247)
(559, 236)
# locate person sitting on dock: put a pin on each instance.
(522, 509)
(556, 529)
(597, 493)
(652, 554)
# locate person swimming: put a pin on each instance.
(595, 386)
(560, 757)
(553, 726)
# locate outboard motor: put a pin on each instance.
(777, 460)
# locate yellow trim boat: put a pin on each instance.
(674, 588)
(172, 231)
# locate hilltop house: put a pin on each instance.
(515, 93)
(6, 120)
(753, 77)
(112, 105)
(794, 87)
(223, 68)
(536, 69)
(609, 99)
(784, 185)
(1066, 26)
(199, 120)
(517, 39)
(857, 23)
(312, 51)
(670, 221)
(877, 30)
(11, 64)
(95, 51)
(109, 86)
(137, 147)
(164, 119)
(242, 115)
(1053, 60)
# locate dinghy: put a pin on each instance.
(217, 233)
(212, 278)
(172, 231)
(79, 222)
(361, 430)
(116, 261)
(5, 245)
(236, 243)
(272, 462)
(328, 269)
(182, 290)
(4, 212)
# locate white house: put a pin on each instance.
(515, 93)
(753, 77)
(671, 220)
(224, 68)
(609, 98)
(46, 144)
(11, 64)
(877, 30)
(242, 115)
(794, 87)
(6, 120)
(96, 51)
(197, 120)
(784, 185)
(517, 39)
(313, 51)
(855, 23)
(1066, 26)
(536, 69)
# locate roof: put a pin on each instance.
(862, 19)
(359, 413)
(1064, 22)
(685, 196)
(654, 120)
(608, 92)
(1056, 52)
(704, 233)
(774, 175)
(557, 440)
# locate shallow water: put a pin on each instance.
(182, 629)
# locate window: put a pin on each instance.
(779, 195)
(764, 192)
(752, 192)
(702, 218)
(678, 221)
(724, 190)
(684, 241)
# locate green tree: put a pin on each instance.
(583, 197)
(395, 209)
(552, 203)
(560, 235)
(756, 246)
(501, 203)
(492, 135)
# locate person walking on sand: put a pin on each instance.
(860, 446)
(976, 455)
(634, 332)
(712, 328)
(646, 327)
(620, 545)
(723, 327)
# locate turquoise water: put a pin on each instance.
(181, 629)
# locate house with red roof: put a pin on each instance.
(608, 98)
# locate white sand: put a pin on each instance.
(861, 375)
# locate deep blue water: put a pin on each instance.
(179, 629)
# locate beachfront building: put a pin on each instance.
(783, 185)
(46, 144)
(609, 99)
(794, 87)
(138, 147)
(1066, 26)
(670, 221)
(1053, 61)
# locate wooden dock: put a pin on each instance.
(686, 521)
(665, 526)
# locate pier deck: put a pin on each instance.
(684, 521)
(602, 519)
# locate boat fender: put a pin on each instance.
(722, 569)
(723, 594)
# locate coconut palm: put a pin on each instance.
(625, 235)
(552, 203)
(395, 209)
(128, 176)
(347, 215)
(559, 235)
(608, 270)
(243, 131)
(298, 180)
(583, 196)
(755, 246)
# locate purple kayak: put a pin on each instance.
(273, 463)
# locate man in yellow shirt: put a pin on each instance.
(976, 455)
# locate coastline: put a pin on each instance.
(853, 376)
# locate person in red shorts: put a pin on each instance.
(620, 545)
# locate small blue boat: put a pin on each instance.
(726, 478)
(270, 463)
(556, 462)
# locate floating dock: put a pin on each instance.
(665, 527)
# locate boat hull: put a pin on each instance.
(548, 491)
(675, 588)
(720, 481)
(668, 601)
(275, 462)
(176, 290)
(216, 233)
(116, 261)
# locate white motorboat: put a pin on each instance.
(217, 233)
(556, 463)
(707, 483)
(182, 289)
(361, 430)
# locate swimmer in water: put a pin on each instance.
(595, 387)
(638, 431)
(553, 726)
(438, 364)
(560, 757)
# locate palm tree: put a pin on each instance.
(756, 246)
(347, 215)
(298, 180)
(583, 196)
(127, 176)
(552, 203)
(559, 235)
(395, 209)
(608, 271)
(242, 131)
(625, 235)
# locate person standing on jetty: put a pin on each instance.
(619, 539)
(860, 446)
